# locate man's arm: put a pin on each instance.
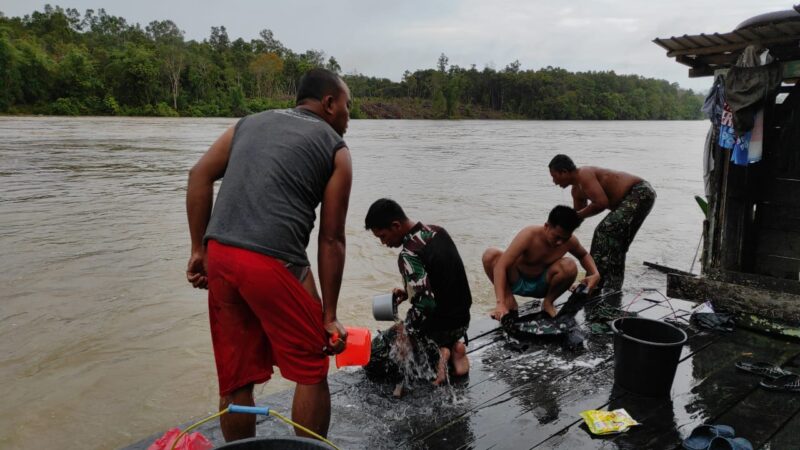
(578, 200)
(506, 261)
(419, 291)
(199, 197)
(592, 277)
(594, 192)
(331, 253)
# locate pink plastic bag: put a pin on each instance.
(193, 441)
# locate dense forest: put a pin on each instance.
(60, 62)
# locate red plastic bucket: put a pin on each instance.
(358, 348)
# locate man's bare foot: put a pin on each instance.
(460, 360)
(441, 368)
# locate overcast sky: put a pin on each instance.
(385, 38)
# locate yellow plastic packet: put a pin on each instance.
(608, 422)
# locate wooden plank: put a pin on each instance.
(724, 59)
(708, 386)
(762, 414)
(737, 298)
(737, 218)
(686, 61)
(487, 382)
(365, 415)
(729, 47)
(778, 217)
(755, 281)
(778, 266)
(527, 415)
(779, 243)
(719, 392)
(762, 325)
(512, 383)
(787, 437)
(791, 69)
(782, 192)
(706, 40)
(666, 269)
(711, 230)
(550, 405)
(699, 72)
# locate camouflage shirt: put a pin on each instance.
(435, 280)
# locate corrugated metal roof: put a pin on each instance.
(705, 53)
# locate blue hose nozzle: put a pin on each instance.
(263, 410)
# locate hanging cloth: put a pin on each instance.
(747, 85)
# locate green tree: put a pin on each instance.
(168, 39)
(265, 69)
(333, 65)
(9, 73)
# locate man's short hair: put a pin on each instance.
(317, 83)
(562, 163)
(564, 217)
(382, 213)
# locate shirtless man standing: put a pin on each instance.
(595, 189)
(534, 265)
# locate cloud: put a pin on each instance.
(386, 38)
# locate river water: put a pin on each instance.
(102, 341)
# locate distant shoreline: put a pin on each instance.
(369, 109)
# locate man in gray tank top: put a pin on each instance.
(250, 250)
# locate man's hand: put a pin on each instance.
(399, 295)
(499, 311)
(591, 282)
(196, 270)
(337, 337)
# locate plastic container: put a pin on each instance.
(646, 355)
(358, 348)
(384, 307)
(275, 443)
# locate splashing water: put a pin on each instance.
(413, 360)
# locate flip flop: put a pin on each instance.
(726, 443)
(702, 435)
(786, 383)
(762, 368)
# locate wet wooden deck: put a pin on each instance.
(529, 396)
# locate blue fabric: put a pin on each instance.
(726, 443)
(739, 154)
(701, 437)
(531, 287)
(714, 104)
(727, 137)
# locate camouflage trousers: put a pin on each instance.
(613, 236)
(424, 352)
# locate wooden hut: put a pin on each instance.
(751, 252)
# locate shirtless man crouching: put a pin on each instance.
(534, 264)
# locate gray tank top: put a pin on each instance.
(279, 165)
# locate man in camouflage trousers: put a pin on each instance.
(595, 189)
(435, 283)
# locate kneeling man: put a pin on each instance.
(434, 282)
(534, 265)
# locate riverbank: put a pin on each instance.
(414, 108)
(363, 108)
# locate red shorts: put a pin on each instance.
(261, 316)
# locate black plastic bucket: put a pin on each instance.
(275, 443)
(646, 355)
